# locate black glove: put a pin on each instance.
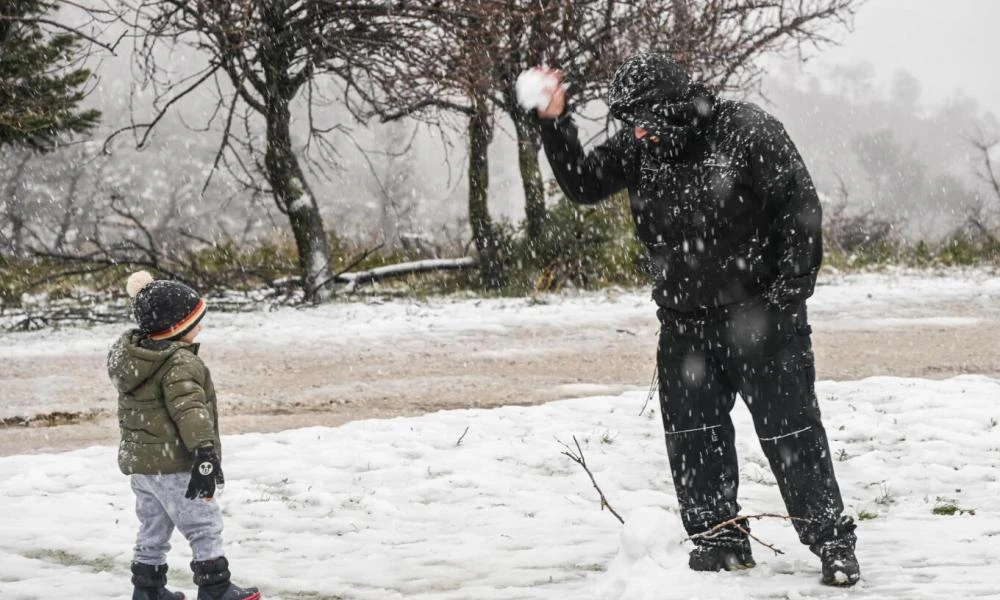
(206, 476)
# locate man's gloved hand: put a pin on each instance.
(206, 476)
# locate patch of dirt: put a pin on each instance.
(52, 419)
(266, 390)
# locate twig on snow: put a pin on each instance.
(738, 522)
(580, 460)
(653, 386)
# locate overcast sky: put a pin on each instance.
(946, 44)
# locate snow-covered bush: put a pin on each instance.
(581, 246)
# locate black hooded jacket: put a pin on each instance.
(732, 216)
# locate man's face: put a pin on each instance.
(641, 133)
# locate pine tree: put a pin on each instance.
(41, 81)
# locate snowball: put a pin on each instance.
(534, 88)
(137, 281)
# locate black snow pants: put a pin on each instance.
(763, 353)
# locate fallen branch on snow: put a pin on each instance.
(402, 269)
(737, 523)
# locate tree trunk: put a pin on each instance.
(15, 207)
(528, 145)
(491, 268)
(529, 140)
(70, 211)
(681, 42)
(295, 199)
(16, 230)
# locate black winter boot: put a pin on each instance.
(729, 550)
(212, 578)
(150, 583)
(836, 553)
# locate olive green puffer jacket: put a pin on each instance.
(166, 404)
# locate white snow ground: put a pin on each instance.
(870, 300)
(482, 505)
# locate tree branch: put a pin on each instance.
(579, 459)
(738, 524)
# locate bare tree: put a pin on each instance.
(586, 38)
(47, 200)
(13, 217)
(986, 144)
(467, 63)
(979, 216)
(470, 66)
(442, 72)
(262, 56)
(720, 41)
(393, 173)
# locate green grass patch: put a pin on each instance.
(949, 507)
(98, 564)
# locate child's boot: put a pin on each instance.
(212, 578)
(150, 583)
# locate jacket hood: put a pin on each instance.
(131, 363)
(646, 79)
(651, 91)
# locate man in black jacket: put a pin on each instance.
(731, 222)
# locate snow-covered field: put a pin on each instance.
(411, 508)
(866, 301)
(482, 505)
(874, 300)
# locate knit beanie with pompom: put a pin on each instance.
(164, 309)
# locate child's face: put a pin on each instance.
(189, 336)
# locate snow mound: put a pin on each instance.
(651, 561)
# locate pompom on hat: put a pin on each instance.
(164, 309)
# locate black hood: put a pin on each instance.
(643, 80)
(651, 91)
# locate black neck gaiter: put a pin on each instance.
(671, 126)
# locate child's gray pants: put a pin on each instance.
(160, 505)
